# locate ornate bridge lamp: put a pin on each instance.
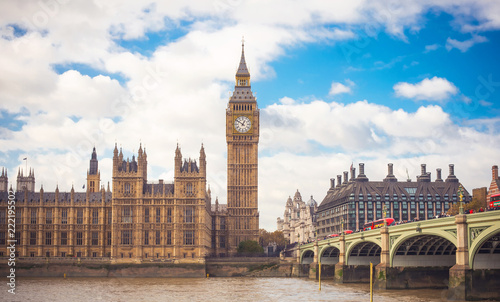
(461, 195)
(342, 223)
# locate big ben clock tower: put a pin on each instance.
(242, 135)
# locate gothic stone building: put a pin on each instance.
(299, 220)
(143, 221)
(494, 187)
(355, 201)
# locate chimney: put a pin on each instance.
(353, 173)
(422, 170)
(362, 176)
(438, 174)
(339, 180)
(494, 172)
(346, 176)
(451, 177)
(390, 173)
(332, 183)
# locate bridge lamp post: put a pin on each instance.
(461, 194)
(342, 223)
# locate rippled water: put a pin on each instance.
(212, 289)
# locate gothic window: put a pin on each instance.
(189, 189)
(64, 238)
(127, 237)
(158, 213)
(146, 237)
(2, 238)
(110, 217)
(169, 237)
(48, 238)
(158, 237)
(79, 216)
(79, 238)
(169, 215)
(32, 238)
(127, 188)
(222, 242)
(189, 237)
(127, 215)
(146, 215)
(95, 238)
(95, 216)
(109, 238)
(48, 216)
(33, 216)
(223, 223)
(2, 217)
(188, 215)
(17, 236)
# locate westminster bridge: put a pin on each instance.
(461, 253)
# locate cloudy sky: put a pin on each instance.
(338, 83)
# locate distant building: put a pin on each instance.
(299, 220)
(355, 201)
(495, 183)
(480, 194)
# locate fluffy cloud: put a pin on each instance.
(434, 89)
(338, 88)
(177, 91)
(463, 46)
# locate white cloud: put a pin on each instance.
(434, 89)
(178, 93)
(429, 48)
(338, 88)
(463, 46)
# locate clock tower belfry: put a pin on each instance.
(242, 136)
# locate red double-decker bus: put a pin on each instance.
(378, 224)
(495, 201)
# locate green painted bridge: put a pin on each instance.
(457, 252)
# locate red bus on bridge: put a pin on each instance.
(495, 201)
(378, 224)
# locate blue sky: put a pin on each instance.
(338, 83)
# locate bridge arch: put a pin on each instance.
(362, 252)
(329, 254)
(419, 250)
(484, 251)
(440, 243)
(307, 256)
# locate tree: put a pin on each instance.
(266, 238)
(475, 205)
(250, 247)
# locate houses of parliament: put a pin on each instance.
(137, 220)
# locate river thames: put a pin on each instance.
(211, 289)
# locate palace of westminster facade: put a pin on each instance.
(140, 221)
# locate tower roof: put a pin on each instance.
(242, 68)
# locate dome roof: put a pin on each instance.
(312, 202)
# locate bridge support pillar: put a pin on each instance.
(460, 281)
(339, 267)
(313, 267)
(382, 270)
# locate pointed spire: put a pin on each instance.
(242, 68)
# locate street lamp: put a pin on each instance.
(461, 194)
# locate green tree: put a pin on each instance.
(475, 205)
(266, 238)
(250, 247)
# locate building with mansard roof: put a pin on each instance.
(299, 219)
(139, 220)
(354, 201)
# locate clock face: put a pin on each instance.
(242, 124)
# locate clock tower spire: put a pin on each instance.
(242, 136)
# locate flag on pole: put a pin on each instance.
(352, 163)
(25, 158)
